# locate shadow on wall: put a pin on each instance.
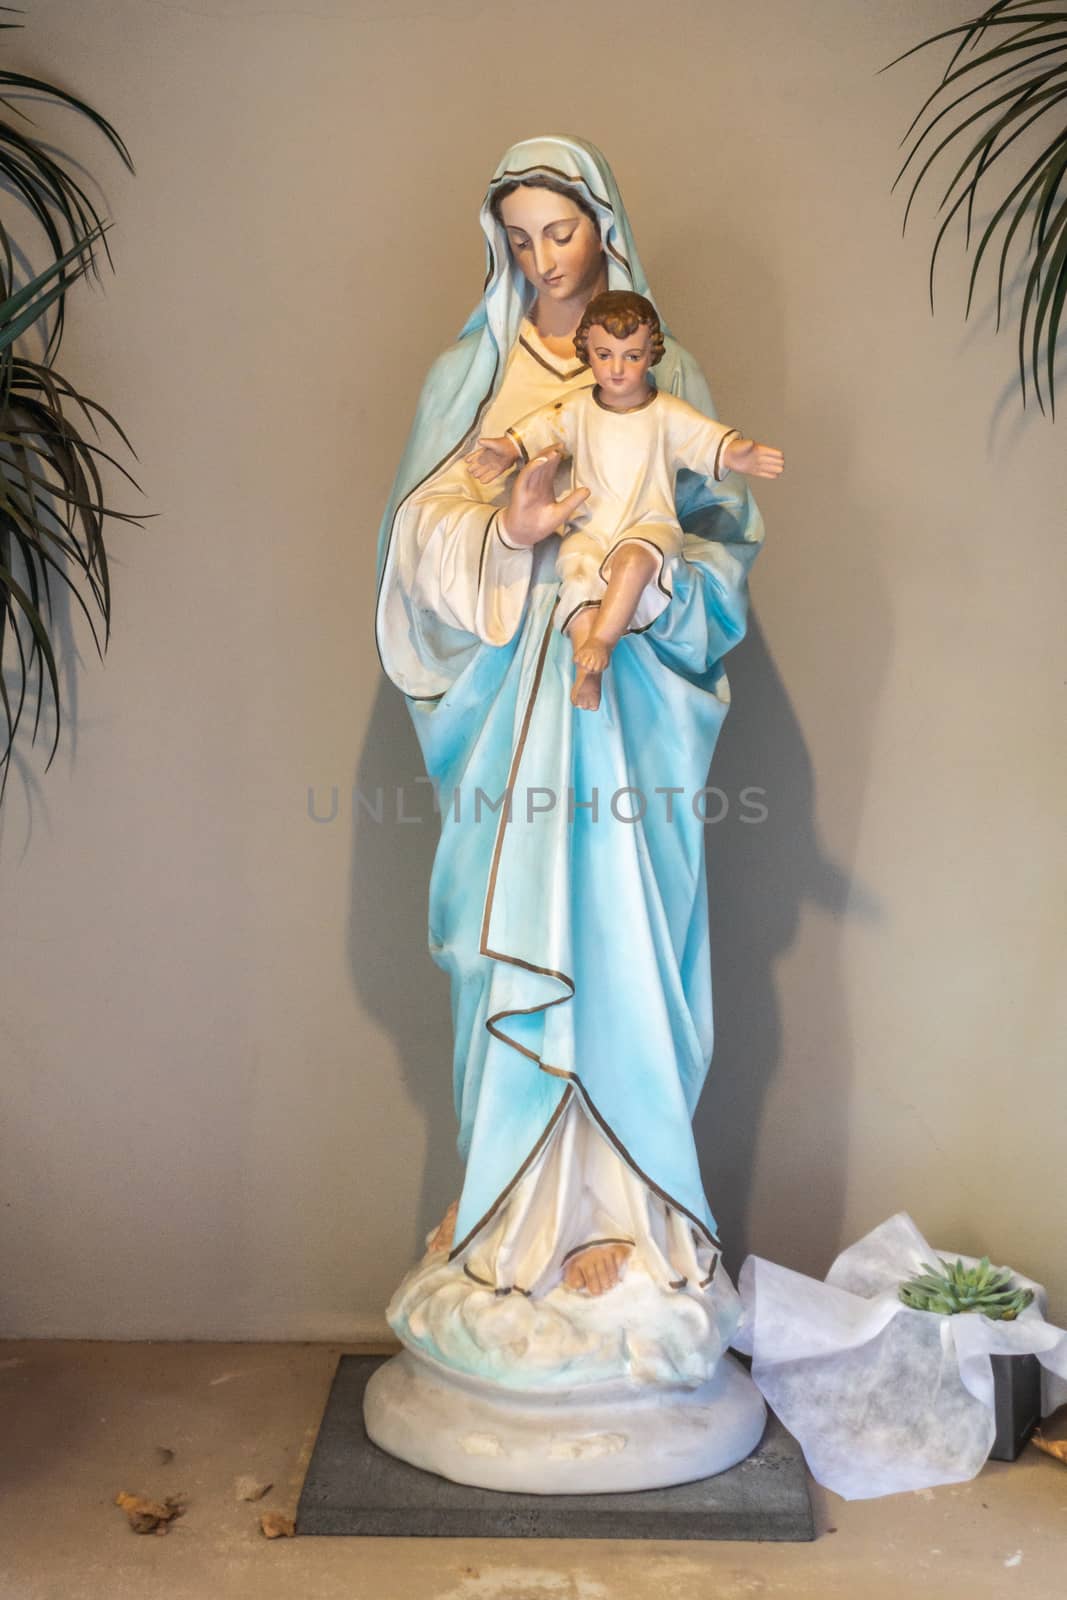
(388, 942)
(781, 1195)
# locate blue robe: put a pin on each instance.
(576, 942)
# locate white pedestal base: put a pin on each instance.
(603, 1439)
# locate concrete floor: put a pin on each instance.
(81, 1421)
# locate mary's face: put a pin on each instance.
(555, 245)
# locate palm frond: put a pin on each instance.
(1016, 51)
(52, 512)
(53, 505)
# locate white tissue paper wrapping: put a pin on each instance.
(882, 1398)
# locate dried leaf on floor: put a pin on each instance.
(1051, 1436)
(249, 1488)
(1051, 1447)
(150, 1516)
(276, 1525)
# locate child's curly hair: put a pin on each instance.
(619, 312)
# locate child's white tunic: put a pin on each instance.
(628, 460)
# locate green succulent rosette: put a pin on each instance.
(957, 1288)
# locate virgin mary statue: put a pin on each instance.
(568, 901)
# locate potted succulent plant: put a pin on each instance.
(988, 1291)
(879, 1372)
(52, 499)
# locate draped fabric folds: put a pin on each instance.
(568, 901)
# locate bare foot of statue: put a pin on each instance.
(596, 629)
(597, 1268)
(441, 1243)
(590, 659)
(592, 654)
(585, 694)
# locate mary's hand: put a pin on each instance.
(534, 512)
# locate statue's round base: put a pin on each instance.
(603, 1439)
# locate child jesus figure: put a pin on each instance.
(627, 441)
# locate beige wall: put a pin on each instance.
(227, 1050)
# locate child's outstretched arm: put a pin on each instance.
(544, 430)
(491, 457)
(714, 449)
(754, 460)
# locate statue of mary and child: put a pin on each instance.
(569, 904)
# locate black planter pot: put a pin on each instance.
(1016, 1403)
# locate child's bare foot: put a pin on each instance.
(586, 691)
(441, 1243)
(597, 1268)
(593, 654)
